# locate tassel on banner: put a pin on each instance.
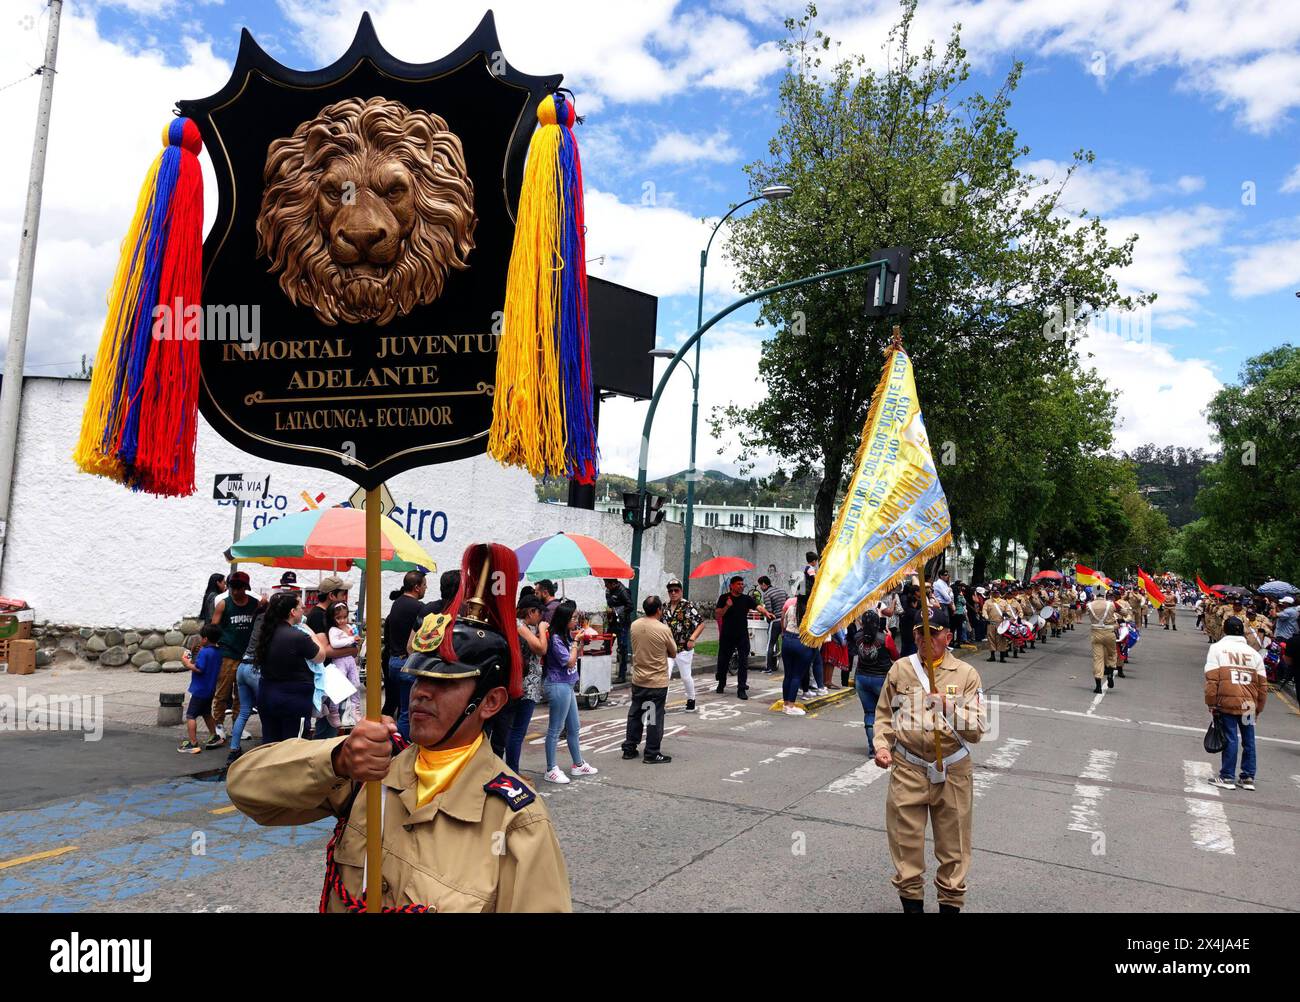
(141, 415)
(542, 416)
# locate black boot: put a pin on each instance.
(1120, 672)
(992, 656)
(1003, 657)
(1098, 689)
(913, 906)
(949, 909)
(1110, 680)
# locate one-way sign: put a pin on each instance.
(237, 487)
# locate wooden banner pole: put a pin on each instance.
(374, 701)
(925, 657)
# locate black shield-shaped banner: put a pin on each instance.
(354, 281)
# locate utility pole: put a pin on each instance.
(11, 393)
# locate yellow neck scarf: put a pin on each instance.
(434, 770)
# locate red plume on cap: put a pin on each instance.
(499, 599)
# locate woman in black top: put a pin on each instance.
(216, 585)
(908, 620)
(285, 695)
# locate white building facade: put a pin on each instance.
(83, 550)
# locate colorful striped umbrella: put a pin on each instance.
(569, 555)
(330, 539)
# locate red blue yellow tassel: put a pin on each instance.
(142, 412)
(542, 417)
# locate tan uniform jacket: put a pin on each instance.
(993, 610)
(1099, 617)
(901, 716)
(465, 851)
(1259, 632)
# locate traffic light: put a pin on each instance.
(888, 298)
(654, 510)
(643, 511)
(632, 509)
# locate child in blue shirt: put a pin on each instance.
(204, 668)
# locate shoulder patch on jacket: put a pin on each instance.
(510, 789)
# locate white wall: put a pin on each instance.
(83, 550)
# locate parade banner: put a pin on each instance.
(1205, 589)
(894, 514)
(1151, 589)
(354, 283)
(1087, 576)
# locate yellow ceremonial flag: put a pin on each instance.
(894, 514)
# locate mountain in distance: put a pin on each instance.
(712, 487)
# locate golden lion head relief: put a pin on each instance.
(366, 209)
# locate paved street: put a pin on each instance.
(1083, 803)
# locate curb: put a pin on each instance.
(819, 702)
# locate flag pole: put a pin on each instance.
(374, 701)
(896, 344)
(925, 656)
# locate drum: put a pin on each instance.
(1122, 634)
(1133, 637)
(1003, 627)
(1049, 614)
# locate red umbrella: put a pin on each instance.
(721, 565)
(1049, 575)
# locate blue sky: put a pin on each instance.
(1183, 105)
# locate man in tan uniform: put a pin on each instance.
(908, 717)
(1102, 617)
(1215, 609)
(461, 832)
(994, 612)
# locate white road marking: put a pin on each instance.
(760, 722)
(1087, 796)
(855, 780)
(1003, 758)
(1210, 830)
(1296, 780)
(1006, 704)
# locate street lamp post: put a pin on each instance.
(694, 340)
(771, 193)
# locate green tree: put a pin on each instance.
(1250, 522)
(893, 158)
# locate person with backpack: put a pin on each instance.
(875, 658)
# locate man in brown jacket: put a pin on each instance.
(908, 717)
(1236, 687)
(652, 646)
(461, 832)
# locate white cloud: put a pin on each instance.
(1161, 396)
(1268, 267)
(653, 248)
(1292, 182)
(1103, 187)
(642, 51)
(1243, 54)
(728, 375)
(1166, 258)
(680, 148)
(111, 104)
